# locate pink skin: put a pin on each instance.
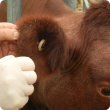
(8, 37)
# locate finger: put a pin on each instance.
(13, 53)
(5, 48)
(12, 50)
(8, 25)
(1, 54)
(30, 77)
(13, 42)
(24, 101)
(12, 47)
(8, 34)
(25, 63)
(29, 90)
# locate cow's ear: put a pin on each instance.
(51, 42)
(42, 36)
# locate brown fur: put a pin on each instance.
(74, 66)
(73, 69)
(36, 29)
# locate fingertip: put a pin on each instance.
(13, 53)
(26, 64)
(29, 90)
(30, 77)
(16, 35)
(8, 34)
(14, 26)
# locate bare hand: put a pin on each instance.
(8, 37)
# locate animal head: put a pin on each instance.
(72, 58)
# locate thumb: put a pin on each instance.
(8, 34)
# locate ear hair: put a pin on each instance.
(33, 30)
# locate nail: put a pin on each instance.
(16, 35)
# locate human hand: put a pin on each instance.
(8, 35)
(16, 78)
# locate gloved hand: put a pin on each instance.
(16, 78)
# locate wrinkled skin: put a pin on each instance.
(74, 66)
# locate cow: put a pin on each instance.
(71, 54)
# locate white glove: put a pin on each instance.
(16, 78)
